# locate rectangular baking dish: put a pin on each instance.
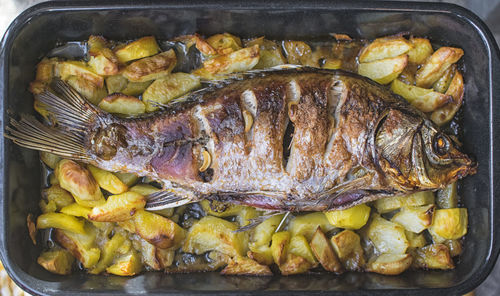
(40, 28)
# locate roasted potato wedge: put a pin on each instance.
(415, 219)
(294, 265)
(61, 221)
(158, 230)
(224, 43)
(307, 224)
(246, 266)
(47, 206)
(299, 246)
(88, 89)
(79, 182)
(166, 89)
(107, 180)
(436, 256)
(450, 223)
(426, 100)
(435, 66)
(421, 50)
(347, 247)
(57, 261)
(261, 254)
(109, 250)
(144, 189)
(262, 234)
(82, 246)
(80, 69)
(140, 48)
(386, 236)
(126, 265)
(76, 210)
(455, 247)
(383, 48)
(128, 179)
(102, 59)
(352, 218)
(390, 264)
(60, 196)
(324, 252)
(49, 159)
(45, 70)
(201, 44)
(118, 208)
(444, 114)
(389, 204)
(240, 60)
(384, 71)
(212, 233)
(151, 68)
(416, 240)
(122, 104)
(443, 83)
(116, 83)
(270, 53)
(279, 246)
(148, 253)
(299, 53)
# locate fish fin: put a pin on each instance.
(256, 221)
(72, 115)
(165, 199)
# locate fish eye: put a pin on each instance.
(440, 145)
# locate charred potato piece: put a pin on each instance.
(82, 246)
(307, 224)
(279, 246)
(107, 180)
(435, 66)
(80, 69)
(246, 266)
(151, 68)
(426, 100)
(384, 71)
(383, 48)
(118, 208)
(323, 251)
(61, 221)
(79, 182)
(390, 264)
(102, 59)
(299, 246)
(386, 236)
(140, 48)
(436, 256)
(88, 89)
(158, 230)
(212, 233)
(77, 210)
(347, 246)
(49, 159)
(60, 196)
(389, 204)
(224, 43)
(240, 60)
(444, 114)
(415, 219)
(299, 53)
(166, 89)
(270, 53)
(57, 261)
(108, 253)
(122, 105)
(421, 50)
(126, 265)
(352, 218)
(450, 223)
(294, 265)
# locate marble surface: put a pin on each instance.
(488, 10)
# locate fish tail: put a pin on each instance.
(72, 116)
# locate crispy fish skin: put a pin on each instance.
(353, 141)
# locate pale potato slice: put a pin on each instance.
(347, 246)
(279, 246)
(456, 91)
(240, 60)
(383, 48)
(224, 43)
(386, 236)
(118, 208)
(57, 261)
(415, 219)
(416, 240)
(426, 100)
(246, 266)
(384, 71)
(436, 256)
(126, 265)
(151, 68)
(295, 265)
(323, 251)
(450, 223)
(80, 69)
(108, 252)
(128, 179)
(390, 264)
(140, 48)
(299, 246)
(82, 246)
(212, 233)
(107, 180)
(135, 88)
(389, 204)
(164, 90)
(60, 196)
(307, 224)
(144, 189)
(352, 218)
(421, 50)
(77, 210)
(158, 230)
(87, 88)
(116, 83)
(436, 65)
(261, 254)
(122, 104)
(61, 221)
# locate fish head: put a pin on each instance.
(415, 155)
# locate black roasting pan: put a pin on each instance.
(37, 30)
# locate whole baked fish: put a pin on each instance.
(295, 139)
